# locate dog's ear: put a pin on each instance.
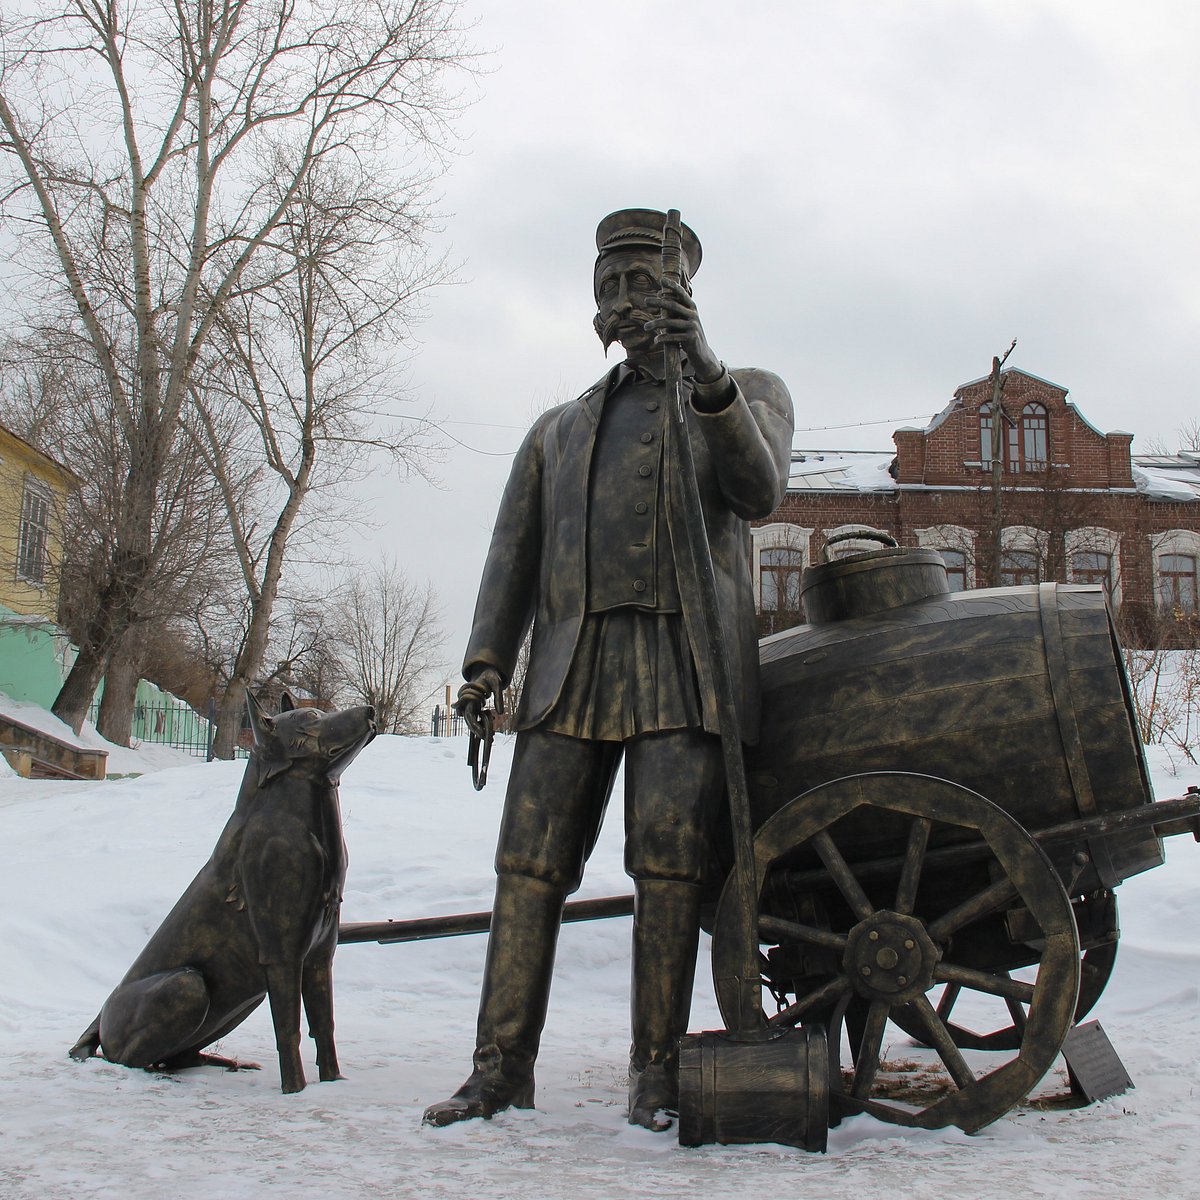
(261, 725)
(270, 756)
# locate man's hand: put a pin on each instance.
(679, 325)
(473, 696)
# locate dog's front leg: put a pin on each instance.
(283, 992)
(318, 1006)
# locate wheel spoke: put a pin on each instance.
(866, 1062)
(946, 1003)
(780, 930)
(982, 981)
(914, 858)
(980, 905)
(827, 993)
(1017, 1012)
(943, 1043)
(841, 874)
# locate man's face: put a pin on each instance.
(625, 279)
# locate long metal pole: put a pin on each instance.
(748, 984)
(421, 929)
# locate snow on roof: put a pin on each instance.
(1172, 477)
(841, 471)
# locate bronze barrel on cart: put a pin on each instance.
(913, 741)
(1017, 693)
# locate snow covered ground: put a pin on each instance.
(87, 871)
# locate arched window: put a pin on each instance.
(956, 545)
(780, 552)
(1019, 568)
(779, 571)
(956, 567)
(1094, 556)
(1094, 567)
(1177, 572)
(1035, 438)
(1179, 583)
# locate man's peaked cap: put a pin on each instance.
(631, 228)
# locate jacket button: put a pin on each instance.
(652, 406)
(647, 438)
(641, 507)
(639, 585)
(643, 471)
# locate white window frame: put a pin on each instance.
(951, 537)
(1104, 541)
(1173, 541)
(36, 488)
(776, 536)
(1027, 538)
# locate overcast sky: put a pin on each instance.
(887, 193)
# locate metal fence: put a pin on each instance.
(170, 723)
(445, 722)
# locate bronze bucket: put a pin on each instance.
(738, 1089)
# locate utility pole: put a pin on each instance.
(997, 463)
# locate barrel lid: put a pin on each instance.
(871, 581)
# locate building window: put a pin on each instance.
(1035, 438)
(779, 553)
(779, 572)
(1019, 567)
(1094, 556)
(956, 568)
(1176, 559)
(956, 545)
(1009, 445)
(1094, 567)
(1023, 447)
(33, 543)
(1179, 585)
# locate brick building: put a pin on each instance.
(1073, 505)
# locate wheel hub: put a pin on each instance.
(890, 957)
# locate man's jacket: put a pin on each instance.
(536, 564)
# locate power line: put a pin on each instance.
(804, 429)
(864, 424)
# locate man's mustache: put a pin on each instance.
(607, 329)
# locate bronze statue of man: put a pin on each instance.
(589, 545)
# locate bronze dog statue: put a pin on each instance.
(260, 919)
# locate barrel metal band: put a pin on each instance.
(708, 1092)
(1068, 727)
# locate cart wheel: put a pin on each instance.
(1095, 970)
(888, 952)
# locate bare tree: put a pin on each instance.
(154, 151)
(306, 651)
(51, 396)
(1164, 679)
(391, 646)
(299, 378)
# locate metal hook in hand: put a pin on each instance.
(486, 734)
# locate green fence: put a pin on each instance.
(168, 723)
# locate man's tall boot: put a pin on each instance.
(512, 1006)
(666, 930)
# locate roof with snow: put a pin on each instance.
(841, 471)
(1171, 477)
